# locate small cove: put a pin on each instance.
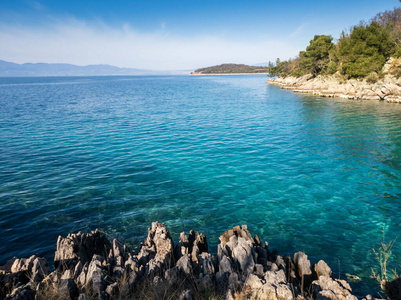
(206, 153)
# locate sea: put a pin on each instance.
(305, 173)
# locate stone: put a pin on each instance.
(233, 281)
(80, 247)
(225, 265)
(184, 265)
(302, 264)
(67, 289)
(199, 246)
(206, 264)
(117, 248)
(40, 269)
(259, 270)
(284, 292)
(275, 277)
(254, 282)
(322, 269)
(6, 268)
(326, 286)
(112, 290)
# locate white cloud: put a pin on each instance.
(77, 42)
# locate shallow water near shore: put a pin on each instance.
(206, 153)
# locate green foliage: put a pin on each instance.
(372, 77)
(365, 50)
(315, 59)
(232, 68)
(357, 54)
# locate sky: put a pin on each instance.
(173, 34)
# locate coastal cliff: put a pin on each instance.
(387, 89)
(89, 266)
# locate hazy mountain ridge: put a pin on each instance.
(9, 69)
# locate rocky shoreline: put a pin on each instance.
(89, 266)
(387, 89)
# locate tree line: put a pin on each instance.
(360, 53)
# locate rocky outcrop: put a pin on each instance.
(388, 89)
(89, 266)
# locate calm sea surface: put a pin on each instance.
(205, 153)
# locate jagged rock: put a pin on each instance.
(67, 275)
(36, 267)
(131, 262)
(112, 289)
(322, 269)
(81, 278)
(182, 248)
(80, 247)
(253, 282)
(159, 249)
(233, 281)
(244, 253)
(275, 277)
(290, 267)
(77, 270)
(239, 231)
(117, 248)
(302, 264)
(280, 262)
(67, 289)
(6, 268)
(340, 288)
(225, 265)
(244, 265)
(199, 246)
(283, 292)
(205, 264)
(95, 275)
(184, 265)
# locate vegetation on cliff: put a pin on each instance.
(360, 53)
(231, 69)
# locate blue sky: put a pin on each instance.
(171, 34)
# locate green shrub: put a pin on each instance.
(373, 77)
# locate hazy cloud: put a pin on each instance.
(78, 42)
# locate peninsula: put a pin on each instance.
(363, 64)
(231, 69)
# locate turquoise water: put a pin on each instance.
(206, 153)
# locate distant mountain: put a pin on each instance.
(9, 69)
(226, 69)
(265, 64)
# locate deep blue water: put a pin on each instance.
(206, 153)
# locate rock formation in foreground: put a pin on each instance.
(89, 266)
(388, 89)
